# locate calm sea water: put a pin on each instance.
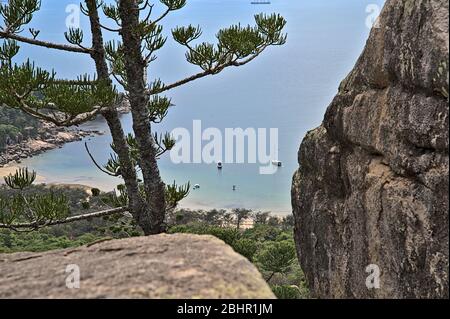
(287, 88)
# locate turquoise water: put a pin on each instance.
(287, 88)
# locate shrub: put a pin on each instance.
(285, 235)
(287, 292)
(228, 235)
(262, 232)
(246, 247)
(276, 257)
(95, 192)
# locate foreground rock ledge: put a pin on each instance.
(161, 266)
(372, 187)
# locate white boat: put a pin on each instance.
(277, 163)
(196, 186)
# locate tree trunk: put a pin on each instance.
(270, 277)
(135, 66)
(138, 207)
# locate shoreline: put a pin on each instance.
(52, 138)
(193, 206)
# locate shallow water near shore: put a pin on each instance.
(288, 88)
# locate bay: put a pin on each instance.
(288, 88)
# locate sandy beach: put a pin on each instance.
(11, 168)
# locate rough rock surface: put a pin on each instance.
(372, 187)
(161, 266)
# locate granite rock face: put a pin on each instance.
(372, 186)
(161, 266)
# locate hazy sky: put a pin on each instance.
(210, 14)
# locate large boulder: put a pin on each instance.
(371, 192)
(162, 266)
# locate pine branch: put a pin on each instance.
(37, 225)
(70, 121)
(97, 165)
(215, 70)
(50, 45)
(160, 18)
(237, 46)
(110, 29)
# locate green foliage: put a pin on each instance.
(153, 39)
(287, 292)
(263, 233)
(276, 257)
(273, 221)
(270, 248)
(78, 99)
(214, 217)
(85, 205)
(6, 131)
(175, 193)
(67, 235)
(8, 50)
(288, 222)
(95, 192)
(47, 207)
(235, 43)
(20, 81)
(74, 36)
(228, 235)
(158, 108)
(110, 11)
(115, 56)
(32, 208)
(39, 241)
(21, 179)
(163, 143)
(113, 164)
(119, 198)
(271, 28)
(174, 4)
(260, 218)
(20, 85)
(185, 35)
(240, 215)
(17, 13)
(246, 247)
(241, 41)
(15, 126)
(40, 94)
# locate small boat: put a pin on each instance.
(196, 186)
(277, 163)
(219, 165)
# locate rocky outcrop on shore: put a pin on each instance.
(125, 106)
(370, 198)
(49, 137)
(178, 266)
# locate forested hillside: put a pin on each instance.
(15, 126)
(264, 239)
